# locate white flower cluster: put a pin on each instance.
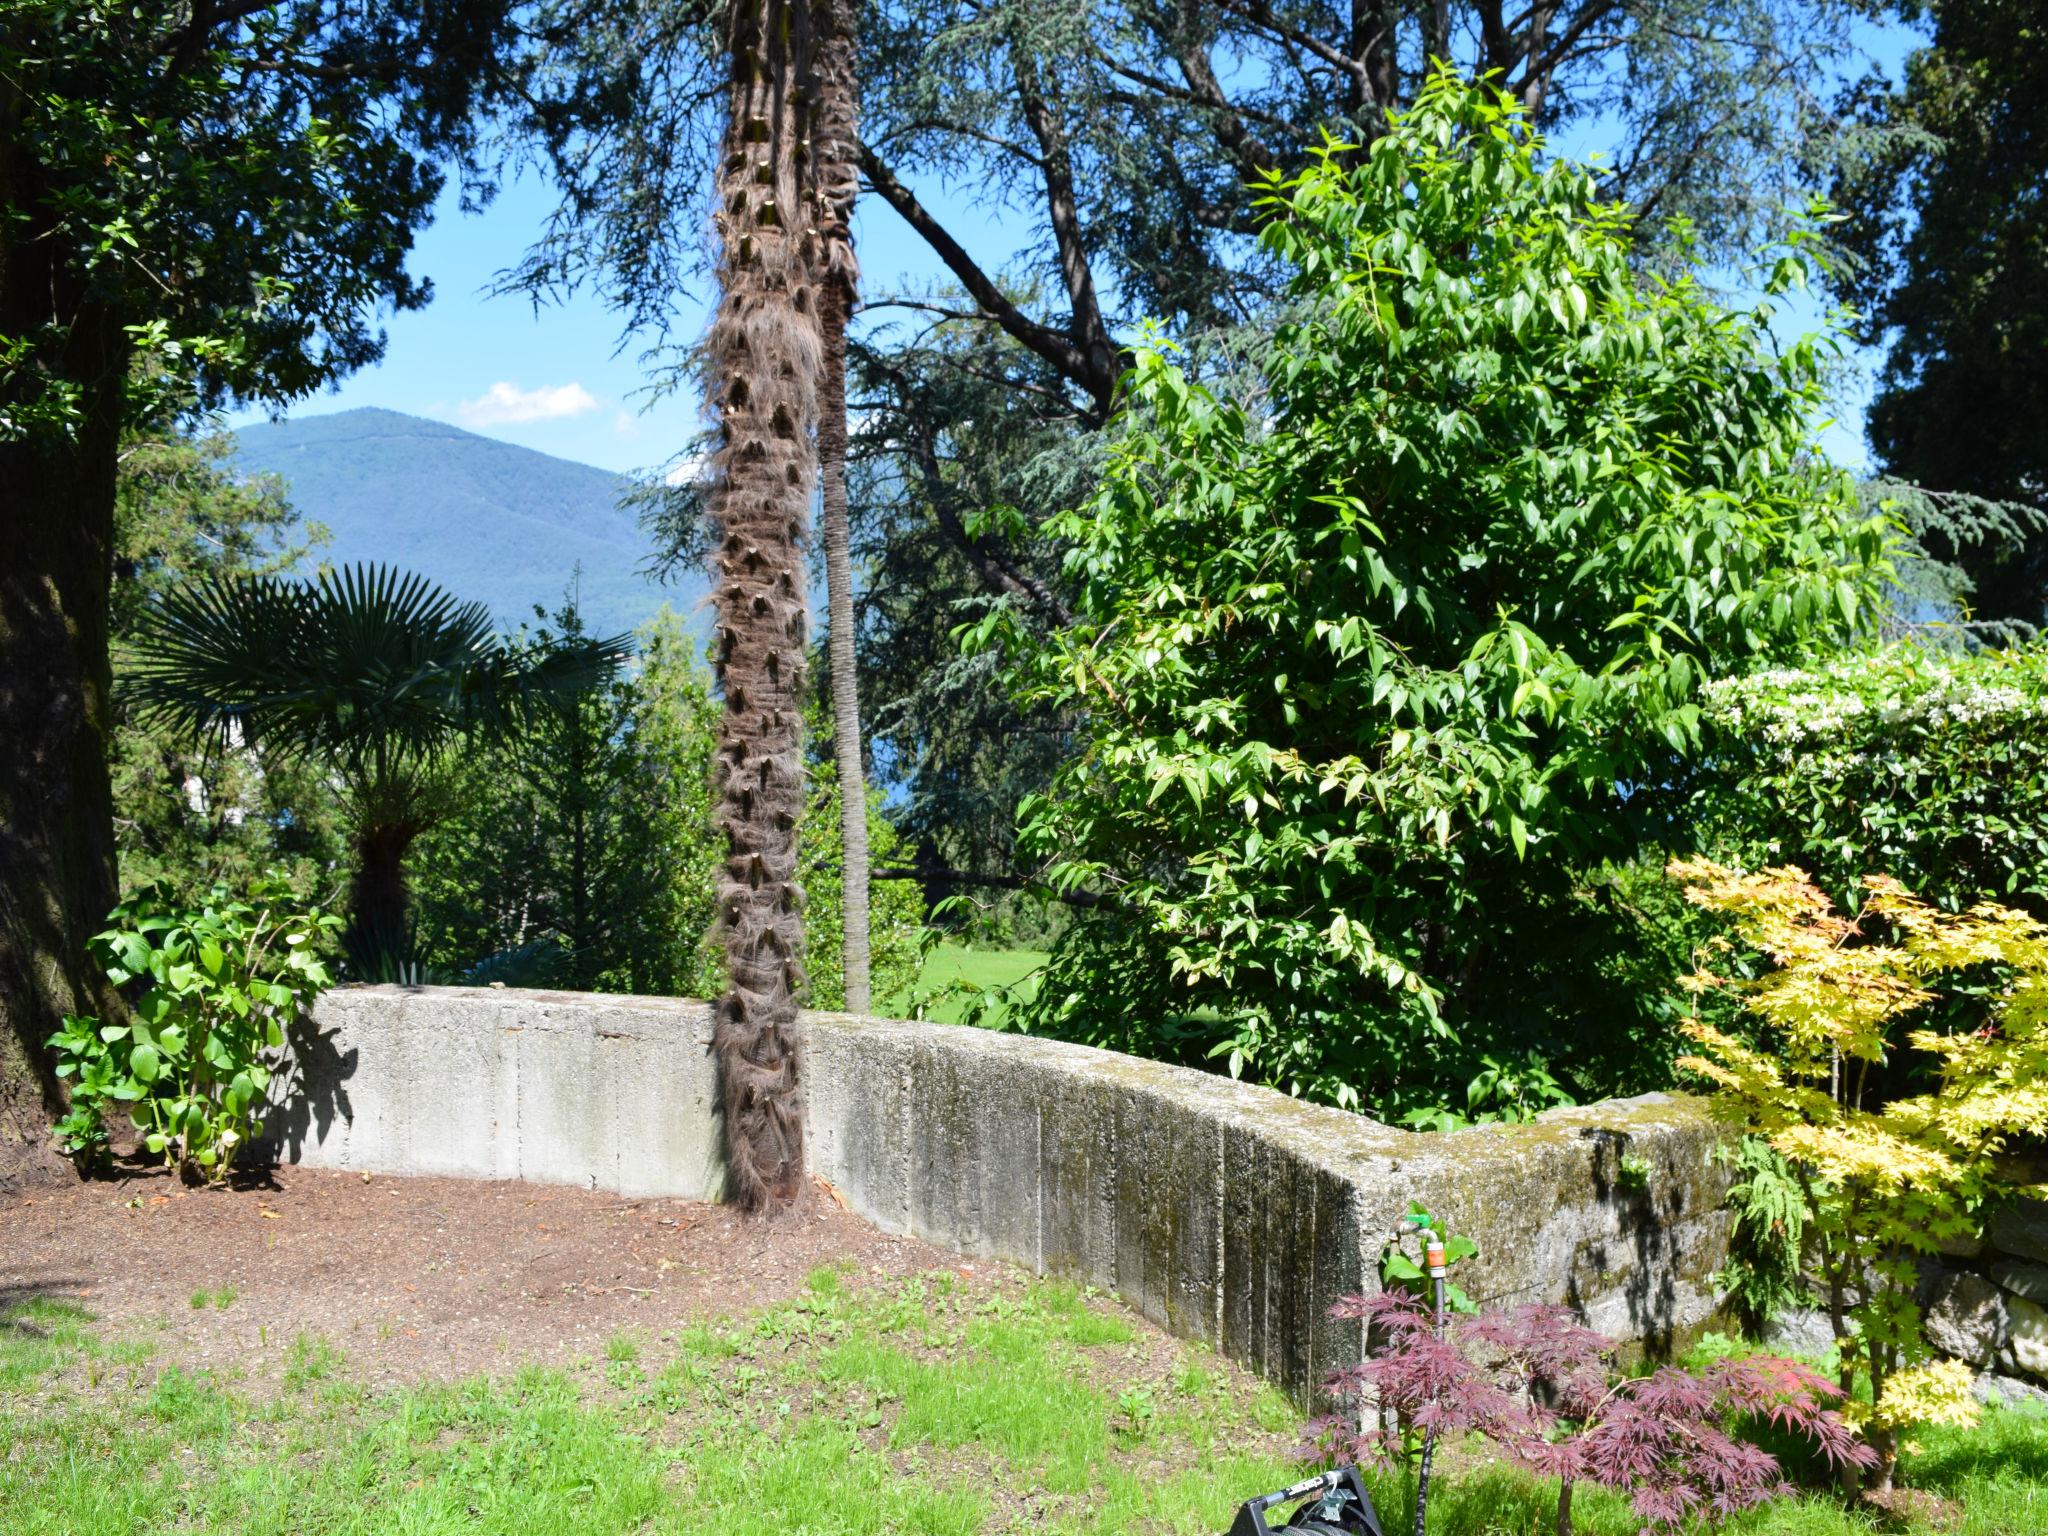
(1820, 714)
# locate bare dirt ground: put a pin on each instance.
(416, 1278)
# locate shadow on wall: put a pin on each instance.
(1649, 1207)
(310, 1096)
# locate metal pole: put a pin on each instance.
(1433, 1258)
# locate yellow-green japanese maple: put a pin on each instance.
(1849, 1008)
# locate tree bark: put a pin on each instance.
(764, 350)
(57, 866)
(379, 904)
(836, 141)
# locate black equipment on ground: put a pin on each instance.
(1334, 1504)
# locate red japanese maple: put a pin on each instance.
(1537, 1383)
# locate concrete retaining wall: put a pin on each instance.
(1223, 1212)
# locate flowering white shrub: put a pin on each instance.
(1929, 764)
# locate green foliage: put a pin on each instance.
(1931, 766)
(584, 853)
(895, 907)
(1389, 651)
(938, 537)
(581, 852)
(374, 675)
(215, 989)
(170, 169)
(1943, 193)
(1399, 1272)
(1765, 1272)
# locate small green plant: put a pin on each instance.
(1398, 1272)
(309, 1359)
(1634, 1173)
(216, 990)
(1766, 1238)
(1502, 1092)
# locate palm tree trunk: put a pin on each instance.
(837, 151)
(764, 352)
(377, 940)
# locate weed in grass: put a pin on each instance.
(825, 1280)
(621, 1349)
(310, 1359)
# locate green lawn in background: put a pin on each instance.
(920, 1407)
(951, 968)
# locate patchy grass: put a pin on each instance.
(925, 1408)
(953, 973)
(930, 1408)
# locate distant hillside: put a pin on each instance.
(491, 522)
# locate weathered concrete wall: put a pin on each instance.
(1224, 1212)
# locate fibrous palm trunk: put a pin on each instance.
(763, 352)
(836, 161)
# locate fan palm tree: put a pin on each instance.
(374, 672)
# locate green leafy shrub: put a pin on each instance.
(1930, 766)
(1369, 665)
(213, 992)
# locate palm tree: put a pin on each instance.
(835, 139)
(763, 356)
(375, 673)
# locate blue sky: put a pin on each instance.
(557, 378)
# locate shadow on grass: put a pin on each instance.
(40, 1310)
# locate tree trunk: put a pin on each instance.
(837, 157)
(764, 354)
(57, 866)
(379, 903)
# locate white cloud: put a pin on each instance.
(503, 403)
(687, 470)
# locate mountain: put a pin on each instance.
(491, 522)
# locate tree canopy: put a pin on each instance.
(1362, 655)
(1946, 208)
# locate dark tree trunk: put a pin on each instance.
(379, 904)
(57, 869)
(837, 160)
(764, 355)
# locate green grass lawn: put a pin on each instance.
(953, 969)
(921, 1407)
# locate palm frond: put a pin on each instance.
(367, 660)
